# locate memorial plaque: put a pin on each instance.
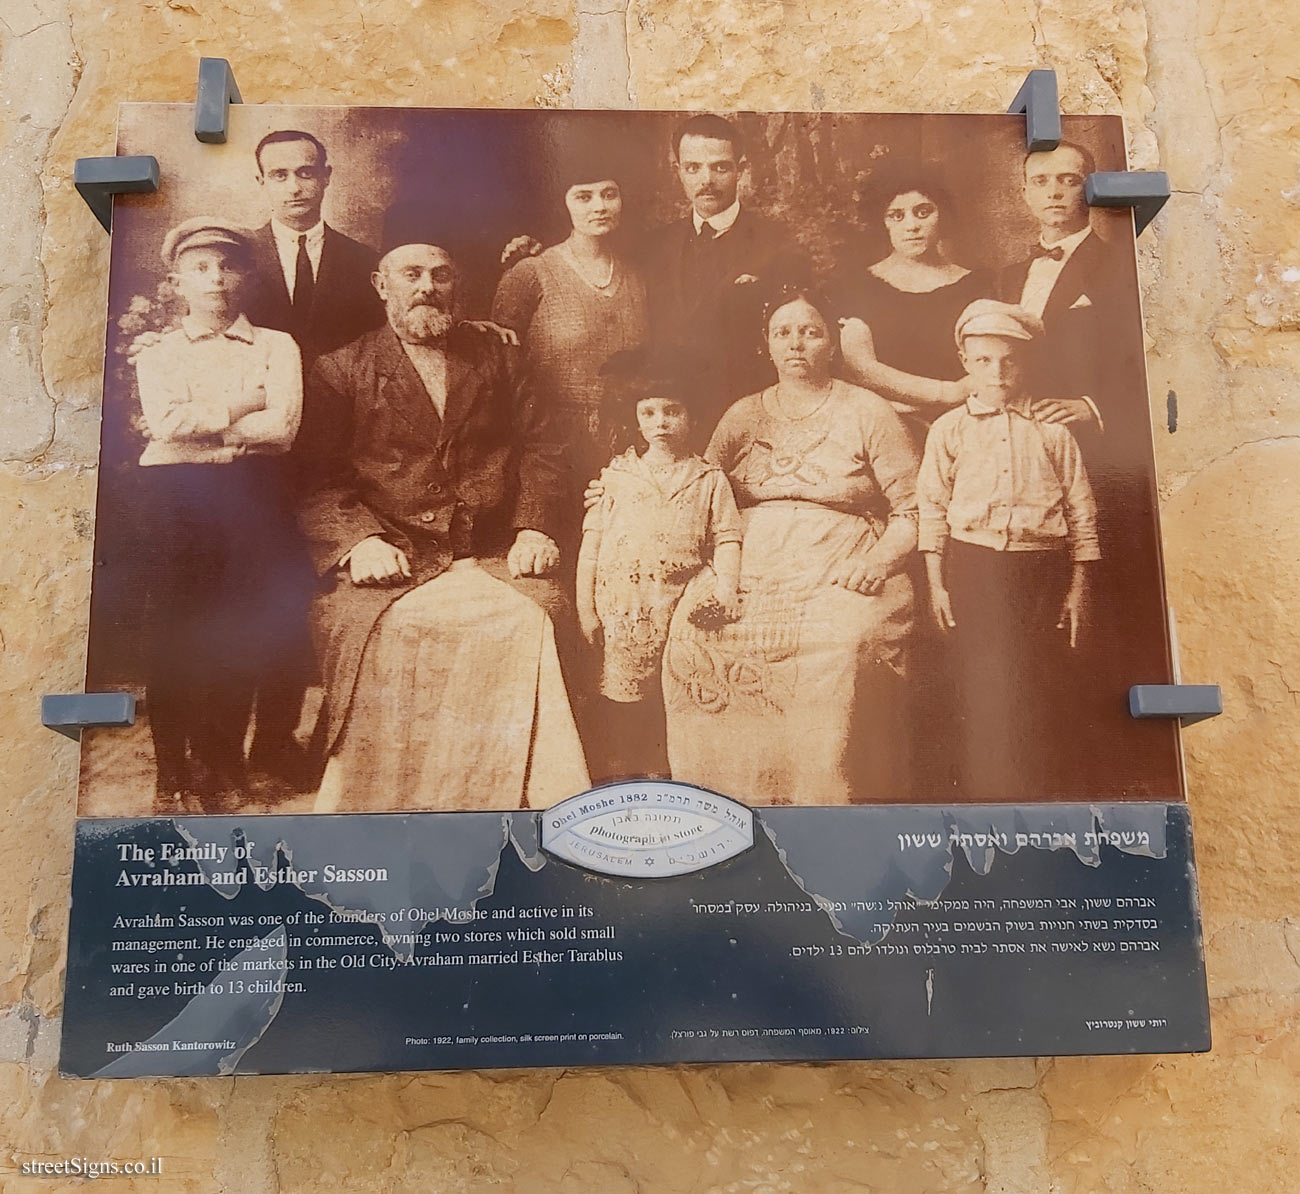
(647, 830)
(625, 587)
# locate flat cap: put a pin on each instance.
(205, 232)
(988, 317)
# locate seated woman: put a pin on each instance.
(900, 312)
(790, 703)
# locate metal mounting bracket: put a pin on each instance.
(71, 712)
(1145, 191)
(1038, 100)
(1187, 702)
(217, 91)
(98, 179)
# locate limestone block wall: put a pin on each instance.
(1209, 91)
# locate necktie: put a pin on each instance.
(1056, 253)
(706, 232)
(303, 281)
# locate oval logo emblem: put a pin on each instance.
(647, 829)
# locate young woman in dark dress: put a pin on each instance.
(897, 334)
(896, 338)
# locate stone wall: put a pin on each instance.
(1209, 92)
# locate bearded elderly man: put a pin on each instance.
(431, 511)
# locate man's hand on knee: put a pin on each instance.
(375, 561)
(532, 554)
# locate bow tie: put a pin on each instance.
(1056, 253)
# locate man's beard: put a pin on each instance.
(422, 324)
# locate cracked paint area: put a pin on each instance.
(837, 864)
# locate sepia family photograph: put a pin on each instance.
(461, 460)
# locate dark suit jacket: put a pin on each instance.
(1093, 345)
(344, 303)
(379, 461)
(695, 304)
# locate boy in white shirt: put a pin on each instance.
(221, 400)
(1008, 525)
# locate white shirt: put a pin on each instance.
(720, 223)
(431, 364)
(209, 397)
(286, 245)
(998, 478)
(1044, 271)
(1041, 280)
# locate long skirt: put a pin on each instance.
(459, 704)
(793, 703)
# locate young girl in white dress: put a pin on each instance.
(664, 516)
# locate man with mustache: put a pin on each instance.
(703, 272)
(431, 511)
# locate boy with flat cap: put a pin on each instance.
(1008, 525)
(216, 387)
(220, 402)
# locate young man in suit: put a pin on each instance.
(431, 516)
(706, 275)
(1091, 374)
(1077, 284)
(314, 282)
